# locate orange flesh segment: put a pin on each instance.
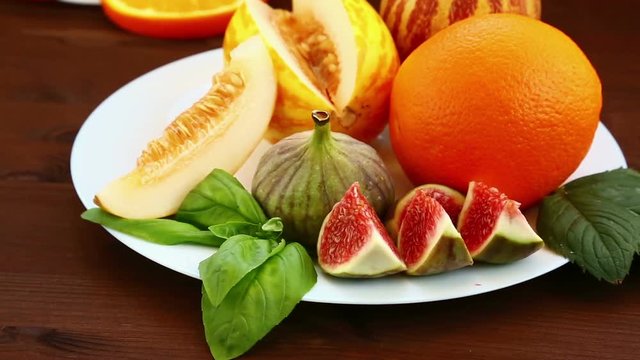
(166, 7)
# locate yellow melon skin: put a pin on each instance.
(365, 113)
(413, 21)
(212, 133)
(378, 64)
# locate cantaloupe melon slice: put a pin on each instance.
(219, 131)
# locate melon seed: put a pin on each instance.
(192, 126)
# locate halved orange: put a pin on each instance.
(170, 18)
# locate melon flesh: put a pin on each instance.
(353, 241)
(494, 228)
(219, 131)
(288, 33)
(281, 41)
(324, 59)
(428, 241)
(334, 19)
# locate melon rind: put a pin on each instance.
(242, 127)
(397, 15)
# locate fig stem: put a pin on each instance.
(320, 117)
(322, 133)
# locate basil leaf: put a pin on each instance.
(159, 231)
(273, 225)
(595, 227)
(233, 228)
(218, 199)
(272, 229)
(236, 258)
(260, 301)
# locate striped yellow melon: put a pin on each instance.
(413, 21)
(334, 55)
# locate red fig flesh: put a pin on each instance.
(354, 243)
(451, 200)
(493, 227)
(428, 241)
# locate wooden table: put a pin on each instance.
(70, 290)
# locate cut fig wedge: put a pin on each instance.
(354, 243)
(493, 227)
(428, 241)
(450, 199)
(221, 130)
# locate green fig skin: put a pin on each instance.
(301, 177)
(450, 253)
(504, 249)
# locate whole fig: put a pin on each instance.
(301, 177)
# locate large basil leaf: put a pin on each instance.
(159, 231)
(218, 199)
(260, 301)
(594, 222)
(236, 258)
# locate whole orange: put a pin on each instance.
(503, 99)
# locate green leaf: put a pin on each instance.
(233, 228)
(260, 301)
(159, 231)
(620, 186)
(218, 199)
(273, 225)
(594, 223)
(236, 258)
(272, 229)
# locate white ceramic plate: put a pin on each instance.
(113, 136)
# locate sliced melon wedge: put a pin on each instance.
(334, 55)
(220, 130)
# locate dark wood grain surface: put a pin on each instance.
(70, 290)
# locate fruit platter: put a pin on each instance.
(105, 149)
(301, 163)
